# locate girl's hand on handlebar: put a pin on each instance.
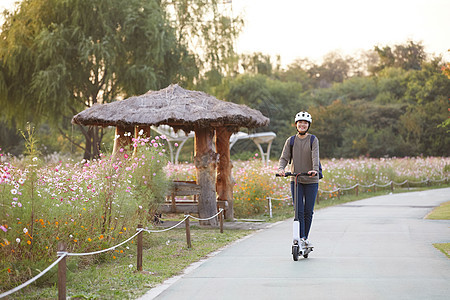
(281, 173)
(312, 173)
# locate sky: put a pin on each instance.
(311, 29)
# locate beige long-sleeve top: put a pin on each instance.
(304, 158)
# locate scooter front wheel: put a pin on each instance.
(295, 252)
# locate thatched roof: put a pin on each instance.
(174, 106)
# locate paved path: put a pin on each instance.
(377, 248)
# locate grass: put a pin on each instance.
(441, 213)
(165, 255)
(444, 248)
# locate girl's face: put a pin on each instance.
(302, 126)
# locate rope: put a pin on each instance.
(385, 185)
(220, 210)
(167, 229)
(401, 183)
(105, 250)
(441, 180)
(280, 199)
(367, 186)
(329, 192)
(379, 185)
(17, 288)
(349, 188)
(416, 182)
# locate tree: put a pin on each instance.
(257, 63)
(58, 57)
(277, 100)
(209, 30)
(409, 56)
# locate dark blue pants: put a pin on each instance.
(307, 194)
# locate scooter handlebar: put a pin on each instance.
(287, 174)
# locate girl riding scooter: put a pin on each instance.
(304, 158)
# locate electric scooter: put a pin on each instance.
(298, 246)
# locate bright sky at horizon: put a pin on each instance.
(299, 28)
(310, 29)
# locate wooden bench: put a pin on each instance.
(182, 189)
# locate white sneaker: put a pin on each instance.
(302, 243)
(308, 244)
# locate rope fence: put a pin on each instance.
(356, 188)
(62, 253)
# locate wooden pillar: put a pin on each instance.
(122, 140)
(136, 135)
(205, 160)
(225, 182)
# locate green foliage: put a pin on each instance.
(60, 56)
(409, 56)
(275, 99)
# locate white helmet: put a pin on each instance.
(303, 116)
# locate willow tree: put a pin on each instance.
(58, 57)
(209, 29)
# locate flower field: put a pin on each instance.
(256, 181)
(88, 205)
(95, 205)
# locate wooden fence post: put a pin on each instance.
(357, 191)
(139, 249)
(269, 205)
(62, 272)
(221, 221)
(188, 232)
(392, 186)
(339, 193)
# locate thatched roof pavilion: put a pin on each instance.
(190, 111)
